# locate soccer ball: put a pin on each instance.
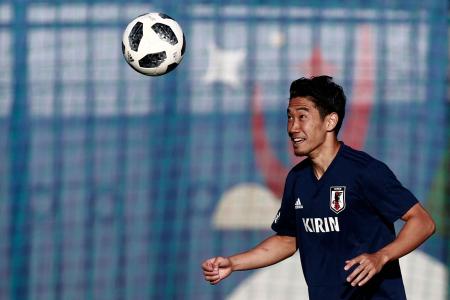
(153, 44)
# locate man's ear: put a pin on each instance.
(331, 121)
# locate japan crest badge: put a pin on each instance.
(337, 198)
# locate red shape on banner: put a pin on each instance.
(356, 124)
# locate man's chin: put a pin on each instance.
(299, 152)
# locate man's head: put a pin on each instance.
(315, 112)
(326, 95)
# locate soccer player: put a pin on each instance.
(338, 208)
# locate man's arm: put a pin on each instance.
(418, 227)
(272, 250)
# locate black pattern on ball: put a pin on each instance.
(183, 48)
(171, 67)
(135, 36)
(165, 33)
(153, 60)
(164, 16)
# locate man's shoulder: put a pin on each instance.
(363, 164)
(357, 158)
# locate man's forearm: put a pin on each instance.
(272, 250)
(415, 231)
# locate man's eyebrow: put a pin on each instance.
(297, 109)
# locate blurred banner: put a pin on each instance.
(114, 185)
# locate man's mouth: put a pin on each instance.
(298, 141)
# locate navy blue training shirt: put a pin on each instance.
(350, 210)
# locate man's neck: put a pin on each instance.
(322, 157)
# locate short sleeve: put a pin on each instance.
(384, 192)
(284, 221)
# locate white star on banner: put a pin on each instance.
(224, 66)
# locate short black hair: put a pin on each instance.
(326, 95)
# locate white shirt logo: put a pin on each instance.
(298, 204)
(277, 217)
(328, 224)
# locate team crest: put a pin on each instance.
(337, 198)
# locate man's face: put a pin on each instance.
(305, 127)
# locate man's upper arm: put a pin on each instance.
(419, 212)
(284, 222)
(385, 193)
(287, 243)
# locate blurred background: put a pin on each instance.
(114, 185)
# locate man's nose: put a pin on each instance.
(293, 127)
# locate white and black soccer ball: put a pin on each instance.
(153, 44)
